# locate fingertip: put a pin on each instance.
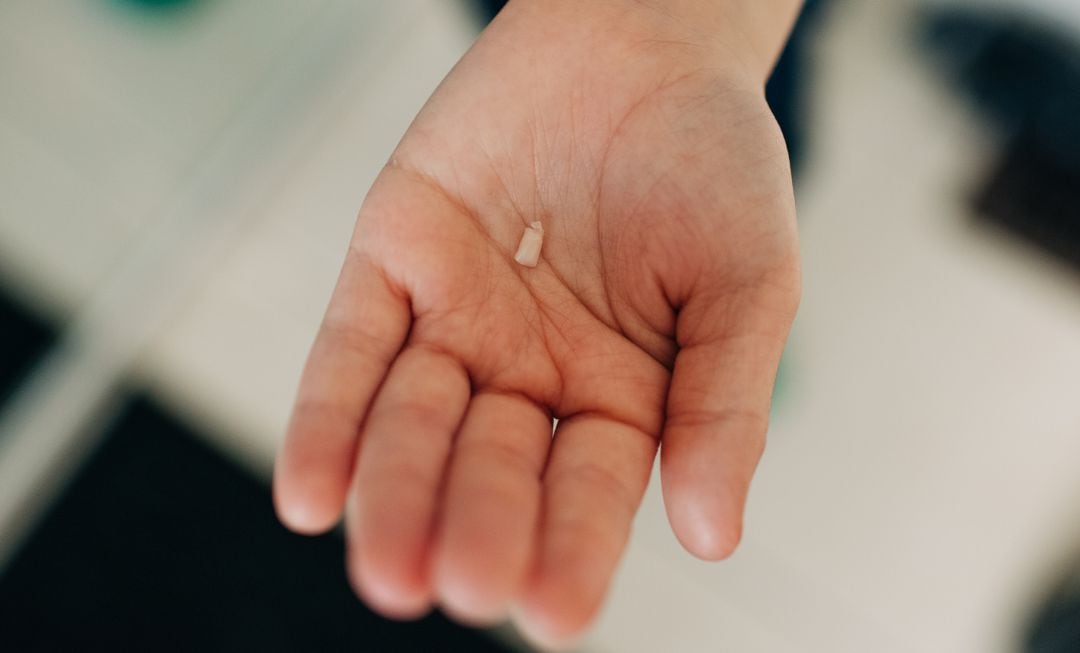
(303, 507)
(556, 609)
(300, 517)
(469, 608)
(707, 541)
(393, 593)
(709, 526)
(466, 597)
(545, 630)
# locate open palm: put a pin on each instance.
(656, 317)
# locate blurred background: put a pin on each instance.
(178, 180)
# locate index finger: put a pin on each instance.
(364, 329)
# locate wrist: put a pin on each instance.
(759, 28)
(744, 36)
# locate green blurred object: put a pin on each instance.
(157, 5)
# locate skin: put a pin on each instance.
(638, 134)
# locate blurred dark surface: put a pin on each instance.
(1022, 74)
(23, 338)
(1035, 196)
(1024, 78)
(790, 83)
(1055, 628)
(488, 8)
(159, 544)
(1058, 627)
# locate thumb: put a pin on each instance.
(718, 408)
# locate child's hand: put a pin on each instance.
(656, 316)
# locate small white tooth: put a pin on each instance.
(528, 252)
